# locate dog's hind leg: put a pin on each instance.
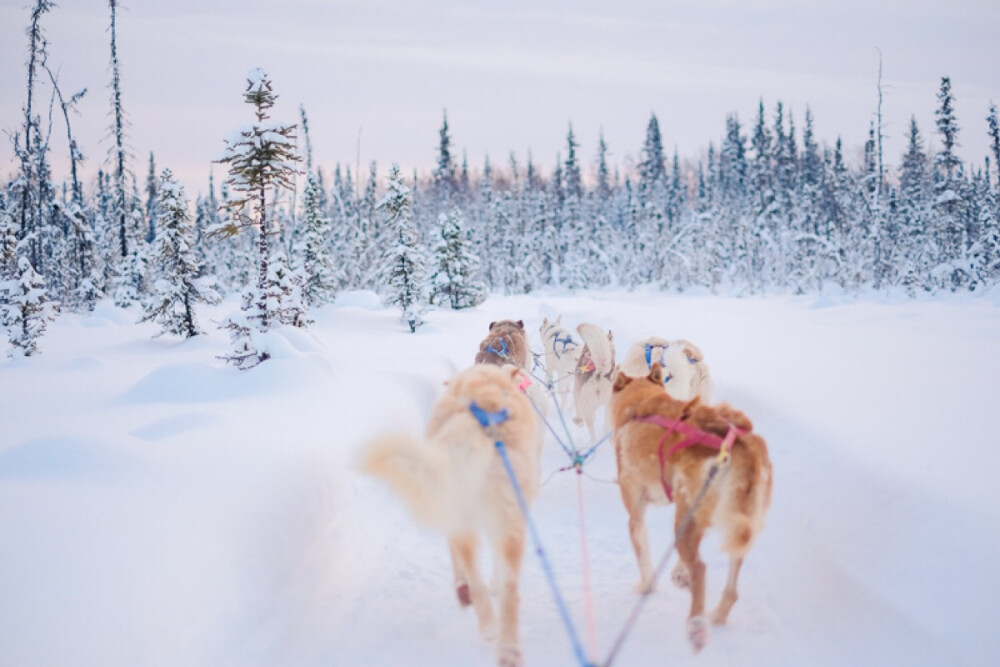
(729, 594)
(687, 549)
(464, 547)
(461, 577)
(635, 504)
(509, 553)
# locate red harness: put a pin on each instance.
(693, 436)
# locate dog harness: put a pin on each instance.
(502, 352)
(488, 419)
(663, 360)
(693, 436)
(566, 341)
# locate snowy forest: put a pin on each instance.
(766, 208)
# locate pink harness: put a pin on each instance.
(693, 436)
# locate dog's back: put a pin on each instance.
(506, 343)
(441, 477)
(737, 502)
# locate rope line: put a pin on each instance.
(660, 567)
(588, 597)
(546, 566)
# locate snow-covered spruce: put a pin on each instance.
(176, 288)
(404, 266)
(261, 157)
(319, 274)
(25, 309)
(453, 282)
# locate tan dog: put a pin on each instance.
(562, 352)
(454, 481)
(592, 381)
(735, 502)
(685, 372)
(506, 343)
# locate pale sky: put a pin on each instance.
(512, 75)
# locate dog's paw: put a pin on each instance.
(464, 597)
(645, 586)
(697, 630)
(681, 577)
(510, 656)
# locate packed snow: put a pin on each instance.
(158, 507)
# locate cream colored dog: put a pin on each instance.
(561, 354)
(592, 381)
(453, 480)
(685, 372)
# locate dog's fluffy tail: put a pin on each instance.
(415, 471)
(747, 496)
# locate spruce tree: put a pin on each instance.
(993, 125)
(261, 158)
(404, 267)
(25, 309)
(453, 283)
(175, 288)
(320, 277)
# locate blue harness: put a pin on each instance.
(663, 359)
(566, 341)
(502, 353)
(488, 419)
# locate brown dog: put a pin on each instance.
(454, 481)
(735, 502)
(506, 343)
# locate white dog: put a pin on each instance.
(454, 481)
(685, 372)
(561, 354)
(592, 381)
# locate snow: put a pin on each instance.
(160, 508)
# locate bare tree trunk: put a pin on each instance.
(119, 131)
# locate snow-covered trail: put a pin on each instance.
(157, 508)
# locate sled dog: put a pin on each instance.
(453, 480)
(506, 343)
(735, 502)
(561, 354)
(685, 373)
(592, 379)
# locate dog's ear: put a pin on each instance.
(611, 336)
(520, 324)
(692, 353)
(492, 324)
(559, 319)
(545, 323)
(621, 381)
(656, 373)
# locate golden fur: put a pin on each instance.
(735, 503)
(454, 481)
(516, 339)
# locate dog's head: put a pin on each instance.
(507, 323)
(622, 380)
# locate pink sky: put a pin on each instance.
(512, 75)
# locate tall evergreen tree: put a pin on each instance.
(261, 157)
(445, 184)
(404, 266)
(320, 277)
(993, 125)
(175, 286)
(453, 281)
